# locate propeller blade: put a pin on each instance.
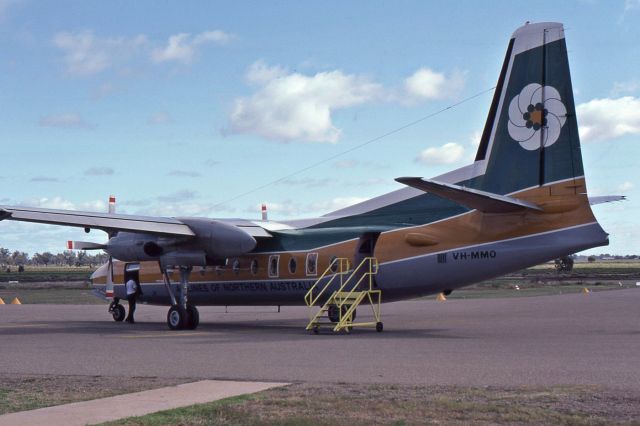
(109, 286)
(84, 245)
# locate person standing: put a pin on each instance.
(132, 295)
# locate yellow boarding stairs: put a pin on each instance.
(354, 287)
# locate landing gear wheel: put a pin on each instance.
(316, 329)
(333, 313)
(193, 318)
(379, 327)
(118, 313)
(176, 318)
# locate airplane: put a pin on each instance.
(522, 201)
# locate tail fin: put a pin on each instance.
(531, 135)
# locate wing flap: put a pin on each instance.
(486, 202)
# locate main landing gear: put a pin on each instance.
(181, 315)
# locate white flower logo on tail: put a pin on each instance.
(533, 120)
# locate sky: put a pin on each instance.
(211, 108)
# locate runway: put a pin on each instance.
(546, 340)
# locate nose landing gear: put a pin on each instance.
(117, 310)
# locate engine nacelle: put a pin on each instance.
(213, 242)
(132, 247)
(219, 240)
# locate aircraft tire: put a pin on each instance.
(379, 327)
(193, 318)
(333, 313)
(118, 313)
(176, 318)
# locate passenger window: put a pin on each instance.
(293, 264)
(312, 264)
(254, 266)
(274, 261)
(236, 266)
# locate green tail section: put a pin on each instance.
(531, 134)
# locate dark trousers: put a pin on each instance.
(131, 298)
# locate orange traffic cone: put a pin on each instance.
(16, 301)
(1, 301)
(441, 297)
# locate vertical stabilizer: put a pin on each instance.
(531, 135)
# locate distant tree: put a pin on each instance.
(591, 259)
(69, 257)
(19, 258)
(46, 258)
(4, 255)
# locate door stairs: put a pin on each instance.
(339, 291)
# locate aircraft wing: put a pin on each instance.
(107, 222)
(606, 199)
(487, 202)
(112, 222)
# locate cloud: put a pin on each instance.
(182, 47)
(5, 5)
(345, 164)
(66, 120)
(99, 171)
(630, 5)
(625, 87)
(602, 119)
(183, 173)
(161, 117)
(178, 196)
(296, 107)
(63, 204)
(86, 54)
(44, 179)
(103, 91)
(625, 186)
(426, 84)
(448, 153)
(290, 208)
(216, 36)
(306, 182)
(210, 162)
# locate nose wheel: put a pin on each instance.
(117, 311)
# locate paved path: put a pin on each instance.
(547, 340)
(134, 404)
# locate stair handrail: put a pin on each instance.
(341, 270)
(373, 269)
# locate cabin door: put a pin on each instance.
(365, 248)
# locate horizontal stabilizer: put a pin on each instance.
(483, 201)
(84, 245)
(606, 199)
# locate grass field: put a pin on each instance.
(345, 404)
(350, 405)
